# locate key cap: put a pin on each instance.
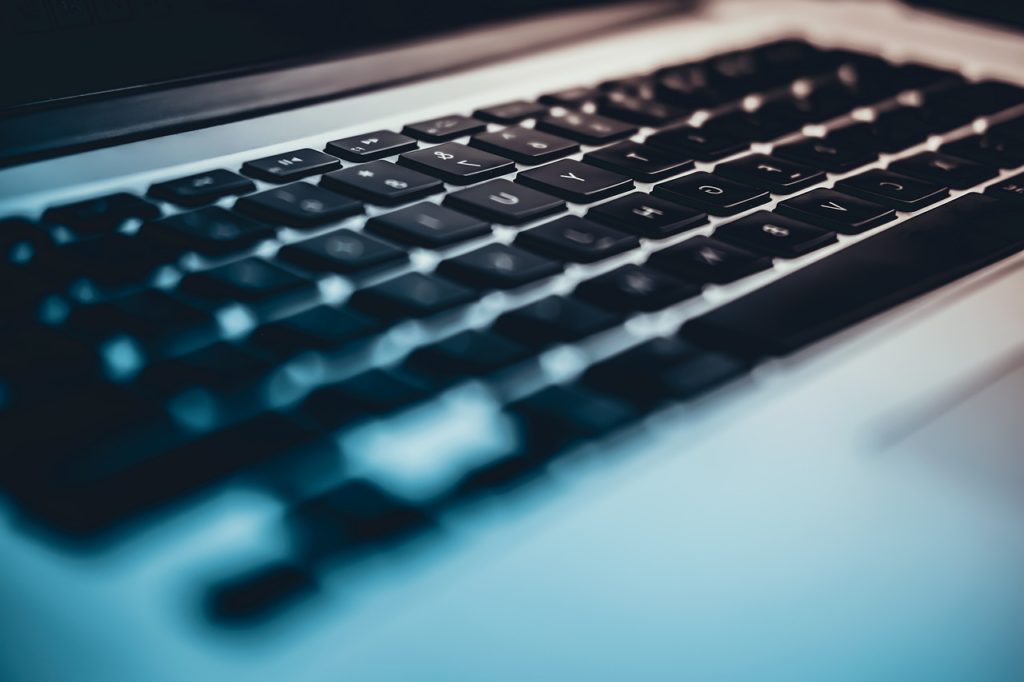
(886, 188)
(114, 260)
(444, 128)
(639, 111)
(429, 225)
(987, 150)
(830, 153)
(576, 239)
(464, 354)
(511, 112)
(212, 231)
(368, 394)
(343, 251)
(251, 280)
(891, 131)
(202, 188)
(718, 196)
(771, 120)
(688, 86)
(951, 107)
(943, 169)
(382, 183)
(371, 146)
(457, 163)
(290, 166)
(524, 145)
(585, 128)
(505, 202)
(411, 295)
(498, 266)
(632, 289)
(1011, 189)
(704, 260)
(22, 242)
(299, 205)
(865, 279)
(554, 319)
(577, 182)
(160, 320)
(639, 161)
(1012, 130)
(766, 172)
(103, 214)
(319, 328)
(647, 216)
(222, 367)
(774, 235)
(569, 98)
(698, 143)
(836, 211)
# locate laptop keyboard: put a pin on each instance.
(156, 345)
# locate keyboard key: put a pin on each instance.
(382, 183)
(766, 172)
(1012, 130)
(222, 367)
(647, 216)
(511, 112)
(429, 225)
(891, 131)
(697, 143)
(946, 170)
(1011, 189)
(524, 145)
(718, 196)
(688, 86)
(299, 205)
(250, 280)
(867, 278)
(836, 211)
(103, 214)
(498, 266)
(457, 163)
(505, 202)
(290, 166)
(569, 98)
(112, 261)
(575, 181)
(576, 239)
(639, 161)
(886, 188)
(365, 395)
(991, 151)
(638, 110)
(159, 320)
(585, 128)
(771, 120)
(202, 188)
(22, 242)
(774, 235)
(832, 153)
(343, 251)
(411, 295)
(444, 128)
(556, 417)
(632, 289)
(211, 231)
(464, 354)
(319, 328)
(554, 319)
(371, 146)
(704, 260)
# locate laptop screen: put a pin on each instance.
(74, 47)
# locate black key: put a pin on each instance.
(554, 319)
(638, 110)
(718, 196)
(223, 367)
(698, 143)
(891, 131)
(260, 593)
(578, 182)
(991, 151)
(427, 224)
(1011, 189)
(371, 393)
(766, 172)
(836, 211)
(631, 289)
(466, 353)
(22, 242)
(705, 260)
(202, 188)
(511, 112)
(158, 319)
(640, 161)
(212, 231)
(771, 120)
(586, 128)
(1010, 130)
(647, 216)
(319, 328)
(382, 182)
(103, 214)
(886, 188)
(111, 261)
(569, 98)
(251, 280)
(688, 86)
(576, 239)
(505, 202)
(371, 146)
(444, 128)
(457, 163)
(524, 145)
(775, 235)
(411, 295)
(498, 266)
(867, 278)
(955, 106)
(344, 251)
(949, 171)
(290, 165)
(300, 205)
(832, 153)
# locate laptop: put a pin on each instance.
(520, 340)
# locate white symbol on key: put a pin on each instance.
(503, 261)
(370, 140)
(894, 185)
(289, 162)
(942, 164)
(204, 181)
(711, 189)
(769, 169)
(463, 162)
(579, 237)
(343, 245)
(366, 173)
(537, 145)
(709, 256)
(312, 205)
(634, 155)
(396, 184)
(572, 176)
(508, 135)
(429, 221)
(504, 198)
(444, 156)
(775, 230)
(639, 283)
(648, 212)
(833, 206)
